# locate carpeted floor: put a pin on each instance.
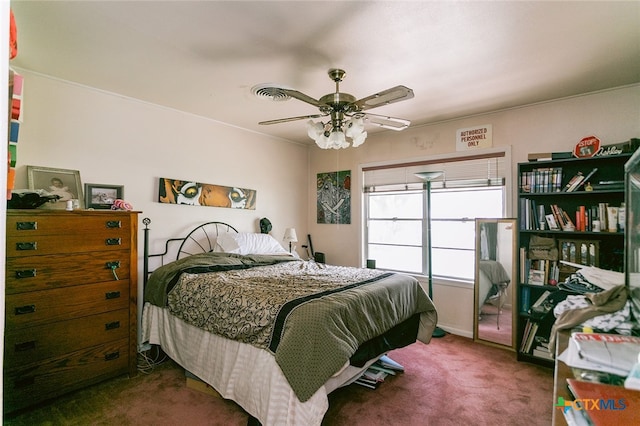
(451, 381)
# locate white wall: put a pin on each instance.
(613, 116)
(120, 141)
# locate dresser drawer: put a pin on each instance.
(35, 245)
(32, 344)
(66, 223)
(41, 307)
(36, 382)
(64, 270)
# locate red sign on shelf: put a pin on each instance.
(587, 147)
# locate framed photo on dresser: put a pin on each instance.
(98, 196)
(64, 183)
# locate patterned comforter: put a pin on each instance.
(311, 317)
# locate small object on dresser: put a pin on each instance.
(30, 199)
(121, 205)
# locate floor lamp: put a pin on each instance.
(427, 177)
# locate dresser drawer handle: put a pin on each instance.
(30, 245)
(27, 273)
(111, 356)
(24, 382)
(113, 241)
(26, 309)
(112, 295)
(26, 226)
(112, 325)
(25, 346)
(114, 224)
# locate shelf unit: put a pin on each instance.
(604, 248)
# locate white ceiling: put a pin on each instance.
(460, 58)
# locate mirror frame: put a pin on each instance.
(512, 288)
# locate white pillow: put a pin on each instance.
(250, 243)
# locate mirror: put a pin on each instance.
(495, 280)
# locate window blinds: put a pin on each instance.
(459, 172)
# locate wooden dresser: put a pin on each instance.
(71, 290)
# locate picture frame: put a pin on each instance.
(63, 182)
(101, 196)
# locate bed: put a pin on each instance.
(270, 331)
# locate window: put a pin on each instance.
(397, 214)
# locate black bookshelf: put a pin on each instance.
(544, 183)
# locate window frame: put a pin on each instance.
(507, 191)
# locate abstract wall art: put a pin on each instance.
(334, 197)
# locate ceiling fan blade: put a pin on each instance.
(302, 97)
(389, 96)
(386, 122)
(284, 120)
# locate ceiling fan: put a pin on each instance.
(347, 116)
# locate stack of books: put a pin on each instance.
(378, 371)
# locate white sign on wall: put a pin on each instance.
(474, 137)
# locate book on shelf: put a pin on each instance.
(542, 272)
(542, 352)
(541, 180)
(529, 336)
(609, 185)
(524, 265)
(552, 224)
(573, 181)
(525, 299)
(541, 348)
(540, 300)
(536, 277)
(541, 308)
(604, 404)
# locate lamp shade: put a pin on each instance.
(290, 235)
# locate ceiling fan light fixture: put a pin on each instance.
(391, 123)
(337, 140)
(327, 136)
(315, 130)
(359, 139)
(339, 132)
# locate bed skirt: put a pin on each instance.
(243, 373)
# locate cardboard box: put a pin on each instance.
(195, 383)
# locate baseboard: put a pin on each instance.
(456, 331)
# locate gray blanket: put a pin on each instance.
(313, 319)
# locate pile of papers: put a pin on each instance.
(608, 353)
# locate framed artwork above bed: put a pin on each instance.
(176, 191)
